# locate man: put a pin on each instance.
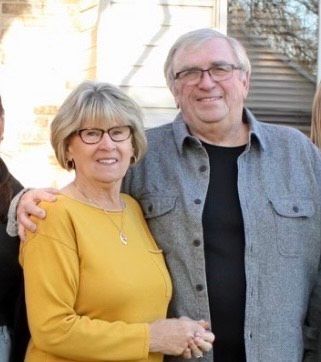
(235, 205)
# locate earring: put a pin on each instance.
(133, 160)
(70, 164)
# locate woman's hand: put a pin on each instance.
(178, 336)
(201, 342)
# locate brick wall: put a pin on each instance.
(49, 46)
(46, 48)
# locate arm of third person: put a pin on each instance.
(25, 205)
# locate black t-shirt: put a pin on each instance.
(224, 254)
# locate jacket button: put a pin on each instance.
(197, 201)
(202, 168)
(295, 209)
(196, 242)
(199, 287)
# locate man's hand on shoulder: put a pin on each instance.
(28, 205)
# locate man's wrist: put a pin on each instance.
(12, 225)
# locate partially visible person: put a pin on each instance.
(312, 335)
(316, 118)
(97, 287)
(13, 326)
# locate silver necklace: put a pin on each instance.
(122, 236)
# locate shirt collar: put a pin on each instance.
(256, 132)
(182, 134)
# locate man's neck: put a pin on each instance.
(221, 135)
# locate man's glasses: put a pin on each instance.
(94, 135)
(217, 72)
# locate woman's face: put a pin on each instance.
(104, 162)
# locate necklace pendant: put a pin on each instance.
(123, 238)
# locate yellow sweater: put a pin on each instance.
(90, 297)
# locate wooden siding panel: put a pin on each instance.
(134, 59)
(280, 92)
(259, 103)
(151, 96)
(158, 116)
(157, 15)
(198, 3)
(287, 87)
(277, 76)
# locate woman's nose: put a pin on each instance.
(107, 142)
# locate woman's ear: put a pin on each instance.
(68, 148)
(69, 162)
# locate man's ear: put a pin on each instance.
(246, 83)
(174, 91)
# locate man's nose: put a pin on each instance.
(206, 80)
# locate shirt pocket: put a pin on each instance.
(156, 205)
(294, 224)
(158, 211)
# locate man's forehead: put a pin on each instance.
(216, 50)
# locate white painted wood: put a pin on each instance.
(133, 39)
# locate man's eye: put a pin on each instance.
(221, 68)
(191, 72)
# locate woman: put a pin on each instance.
(312, 341)
(97, 287)
(13, 327)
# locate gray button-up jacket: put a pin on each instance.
(279, 185)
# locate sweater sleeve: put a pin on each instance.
(51, 270)
(12, 226)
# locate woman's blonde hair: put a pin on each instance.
(97, 104)
(316, 118)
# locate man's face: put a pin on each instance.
(209, 101)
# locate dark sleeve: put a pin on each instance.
(21, 334)
(16, 185)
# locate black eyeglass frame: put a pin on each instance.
(103, 131)
(229, 72)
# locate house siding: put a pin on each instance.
(48, 47)
(281, 92)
